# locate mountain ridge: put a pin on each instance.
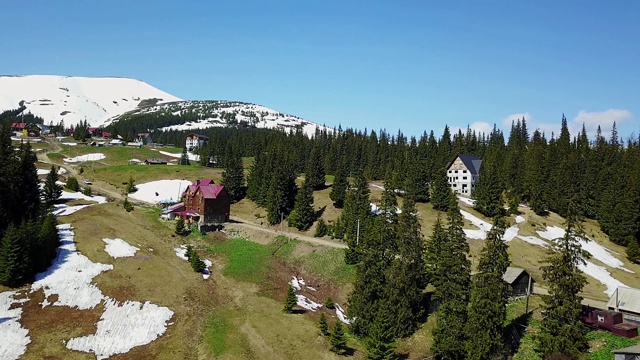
(104, 100)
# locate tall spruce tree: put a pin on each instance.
(406, 276)
(51, 191)
(303, 215)
(314, 170)
(339, 186)
(370, 284)
(233, 174)
(15, 264)
(435, 246)
(380, 342)
(453, 294)
(489, 297)
(441, 192)
(536, 174)
(356, 215)
(561, 328)
(184, 158)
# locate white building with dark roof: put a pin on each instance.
(462, 173)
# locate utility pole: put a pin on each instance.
(358, 234)
(526, 308)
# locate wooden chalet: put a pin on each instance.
(206, 204)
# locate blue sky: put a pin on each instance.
(409, 65)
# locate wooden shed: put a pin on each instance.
(519, 280)
(629, 353)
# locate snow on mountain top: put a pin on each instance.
(219, 113)
(74, 99)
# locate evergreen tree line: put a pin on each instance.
(17, 116)
(28, 233)
(603, 175)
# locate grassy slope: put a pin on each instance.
(251, 324)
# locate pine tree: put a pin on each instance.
(561, 328)
(453, 294)
(356, 214)
(196, 263)
(633, 251)
(14, 257)
(406, 276)
(72, 184)
(303, 214)
(184, 158)
(337, 340)
(323, 326)
(180, 225)
(131, 185)
(435, 246)
(488, 192)
(370, 284)
(321, 228)
(257, 180)
(50, 242)
(51, 191)
(489, 296)
(440, 191)
(290, 300)
(233, 175)
(339, 186)
(380, 342)
(314, 171)
(536, 174)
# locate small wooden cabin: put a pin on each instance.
(519, 280)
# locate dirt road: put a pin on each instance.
(247, 224)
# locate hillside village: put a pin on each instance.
(381, 239)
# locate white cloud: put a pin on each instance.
(604, 119)
(506, 122)
(478, 126)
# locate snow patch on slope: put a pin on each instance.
(155, 191)
(119, 248)
(122, 327)
(14, 337)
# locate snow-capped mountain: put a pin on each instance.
(75, 99)
(216, 113)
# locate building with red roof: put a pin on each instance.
(206, 203)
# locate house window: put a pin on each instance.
(464, 171)
(600, 318)
(450, 171)
(456, 171)
(454, 185)
(464, 178)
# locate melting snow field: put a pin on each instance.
(14, 337)
(70, 276)
(64, 210)
(45, 171)
(119, 248)
(190, 155)
(467, 201)
(123, 327)
(551, 233)
(596, 250)
(155, 191)
(87, 157)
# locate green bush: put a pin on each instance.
(72, 184)
(127, 205)
(321, 228)
(87, 191)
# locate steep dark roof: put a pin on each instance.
(512, 274)
(472, 163)
(635, 350)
